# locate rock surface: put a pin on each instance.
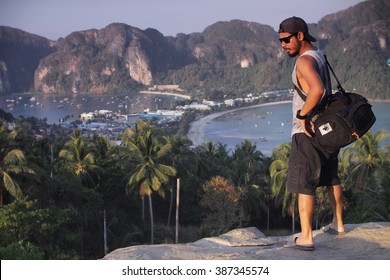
(370, 241)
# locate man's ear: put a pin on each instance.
(300, 36)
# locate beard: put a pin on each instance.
(292, 49)
(291, 53)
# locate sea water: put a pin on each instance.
(57, 107)
(266, 126)
(269, 126)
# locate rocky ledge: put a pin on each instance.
(370, 241)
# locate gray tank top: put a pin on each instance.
(297, 100)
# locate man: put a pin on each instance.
(308, 167)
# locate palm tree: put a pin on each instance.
(221, 158)
(278, 172)
(149, 175)
(81, 158)
(203, 159)
(180, 158)
(248, 151)
(266, 178)
(247, 172)
(12, 162)
(211, 160)
(365, 168)
(366, 160)
(249, 190)
(102, 148)
(381, 211)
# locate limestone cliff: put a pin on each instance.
(20, 53)
(117, 57)
(235, 57)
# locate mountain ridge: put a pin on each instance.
(231, 57)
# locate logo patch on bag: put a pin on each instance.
(325, 129)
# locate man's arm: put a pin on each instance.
(311, 83)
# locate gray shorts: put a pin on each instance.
(308, 168)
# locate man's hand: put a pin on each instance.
(309, 132)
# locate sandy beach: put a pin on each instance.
(166, 93)
(196, 133)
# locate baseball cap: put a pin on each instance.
(295, 25)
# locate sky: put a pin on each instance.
(58, 18)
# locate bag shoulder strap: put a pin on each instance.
(339, 87)
(300, 93)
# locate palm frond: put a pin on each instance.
(11, 186)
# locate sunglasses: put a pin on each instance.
(287, 39)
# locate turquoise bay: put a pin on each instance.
(266, 126)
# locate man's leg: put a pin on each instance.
(336, 201)
(306, 210)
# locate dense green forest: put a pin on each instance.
(59, 191)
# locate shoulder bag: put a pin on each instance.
(341, 118)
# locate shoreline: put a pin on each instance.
(165, 93)
(195, 133)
